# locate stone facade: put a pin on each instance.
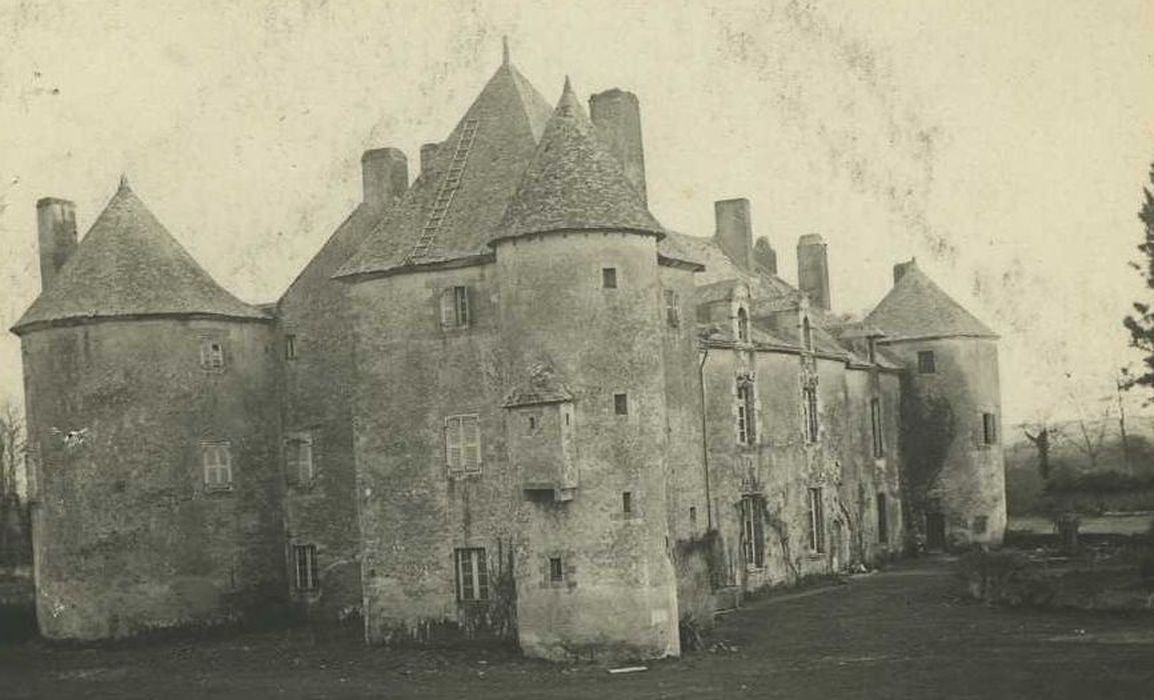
(503, 402)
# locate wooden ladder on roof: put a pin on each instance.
(446, 191)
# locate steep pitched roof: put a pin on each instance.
(129, 264)
(917, 308)
(449, 211)
(574, 182)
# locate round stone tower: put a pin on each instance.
(951, 412)
(579, 320)
(152, 424)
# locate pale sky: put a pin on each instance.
(1005, 144)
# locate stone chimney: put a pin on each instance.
(428, 155)
(902, 268)
(56, 226)
(764, 256)
(813, 269)
(734, 231)
(617, 117)
(385, 175)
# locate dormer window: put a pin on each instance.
(212, 354)
(455, 307)
(742, 325)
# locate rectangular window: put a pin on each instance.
(746, 412)
(621, 404)
(672, 308)
(463, 443)
(556, 570)
(609, 277)
(290, 347)
(752, 531)
(809, 414)
(626, 502)
(298, 452)
(472, 574)
(217, 462)
(212, 354)
(455, 307)
(980, 523)
(883, 520)
(876, 422)
(305, 567)
(926, 362)
(816, 521)
(692, 515)
(989, 429)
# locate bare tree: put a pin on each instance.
(12, 444)
(1043, 440)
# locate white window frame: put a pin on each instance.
(455, 310)
(305, 568)
(216, 462)
(463, 443)
(472, 574)
(300, 458)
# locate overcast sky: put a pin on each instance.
(1004, 144)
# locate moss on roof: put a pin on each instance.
(130, 265)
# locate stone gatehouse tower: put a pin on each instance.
(503, 401)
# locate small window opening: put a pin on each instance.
(621, 404)
(626, 502)
(290, 347)
(455, 307)
(926, 362)
(807, 334)
(883, 520)
(305, 565)
(212, 354)
(556, 572)
(216, 459)
(692, 515)
(532, 422)
(609, 277)
(989, 429)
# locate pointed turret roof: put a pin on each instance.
(130, 265)
(916, 307)
(574, 182)
(454, 204)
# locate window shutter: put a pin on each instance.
(462, 297)
(453, 442)
(472, 443)
(448, 307)
(305, 459)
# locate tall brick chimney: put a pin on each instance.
(428, 155)
(617, 116)
(764, 256)
(813, 269)
(385, 175)
(56, 227)
(902, 268)
(734, 230)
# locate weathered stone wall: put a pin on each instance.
(618, 596)
(126, 537)
(318, 387)
(970, 482)
(411, 375)
(782, 467)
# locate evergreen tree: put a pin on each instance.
(1141, 324)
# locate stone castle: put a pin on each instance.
(503, 402)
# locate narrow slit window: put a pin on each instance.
(809, 414)
(290, 347)
(746, 412)
(627, 502)
(807, 334)
(672, 308)
(883, 520)
(621, 404)
(876, 424)
(989, 429)
(816, 521)
(743, 325)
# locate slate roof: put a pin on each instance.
(916, 307)
(510, 117)
(574, 182)
(128, 265)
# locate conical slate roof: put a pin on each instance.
(450, 210)
(917, 308)
(129, 265)
(574, 182)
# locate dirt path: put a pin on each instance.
(898, 634)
